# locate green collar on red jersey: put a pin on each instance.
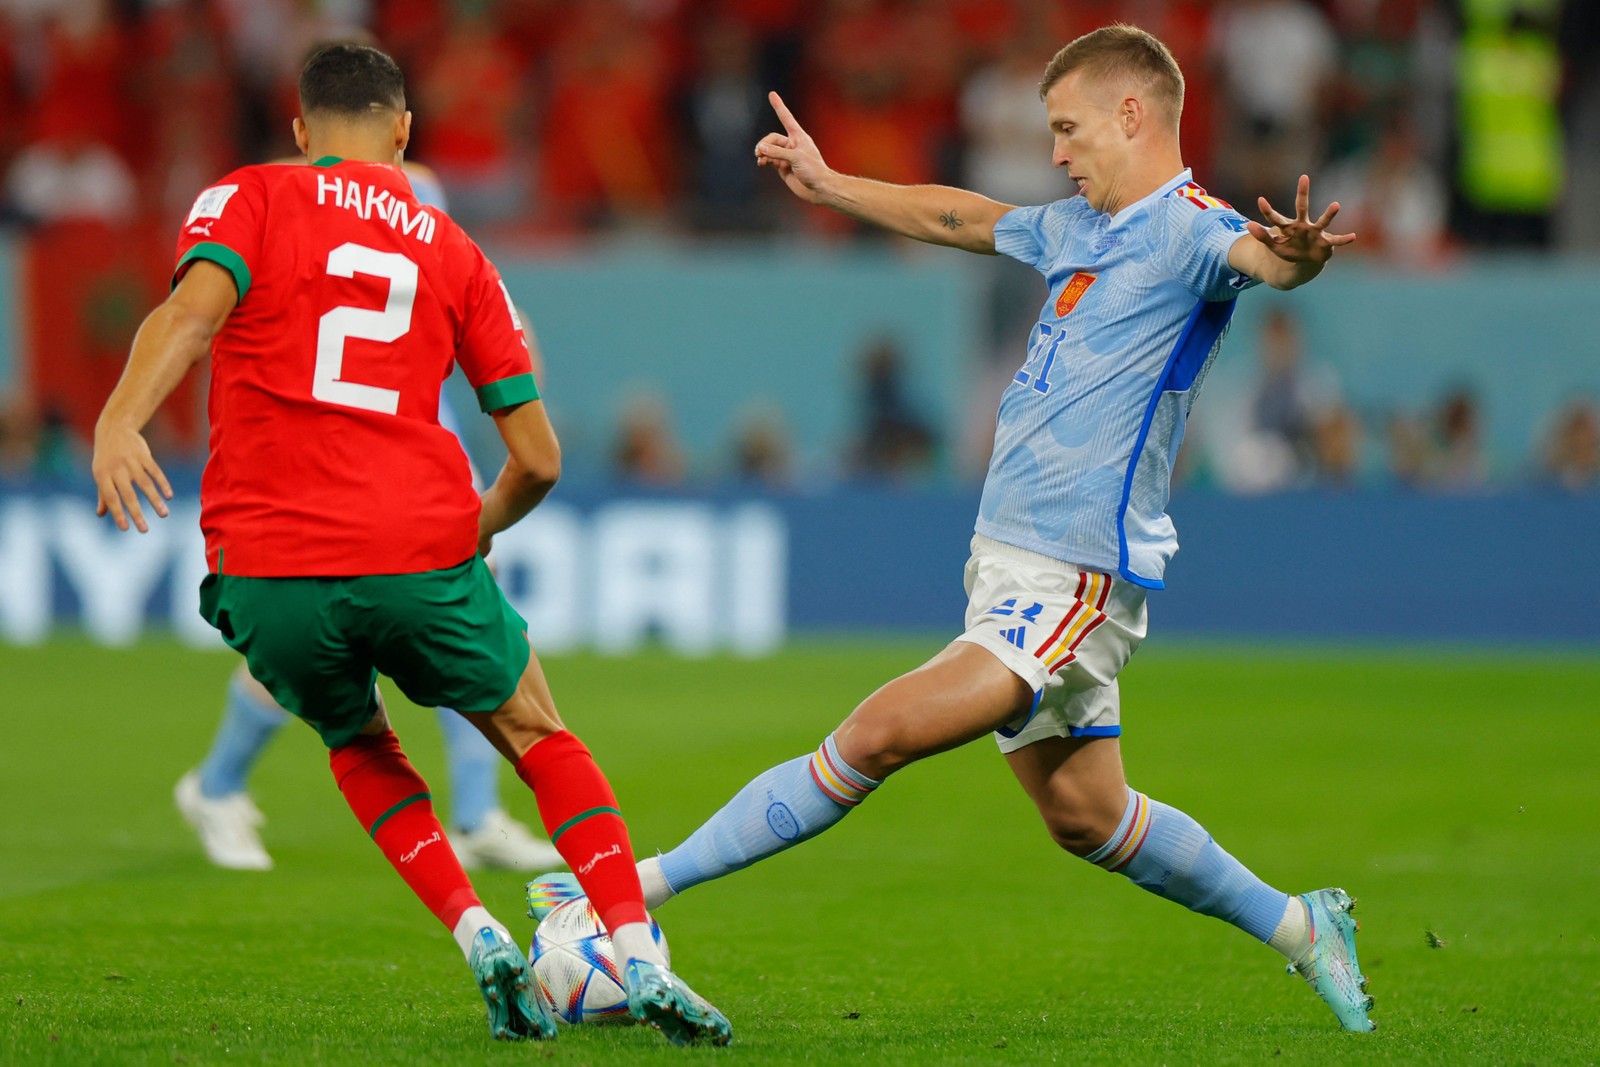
(327, 161)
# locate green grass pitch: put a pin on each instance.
(1453, 792)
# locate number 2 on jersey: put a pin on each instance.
(1042, 353)
(342, 323)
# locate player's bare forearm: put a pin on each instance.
(531, 470)
(937, 214)
(515, 492)
(171, 340)
(1249, 256)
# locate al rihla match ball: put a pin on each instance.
(575, 967)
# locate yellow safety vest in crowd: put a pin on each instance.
(1509, 81)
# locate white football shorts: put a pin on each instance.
(1064, 630)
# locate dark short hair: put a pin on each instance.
(1122, 51)
(351, 80)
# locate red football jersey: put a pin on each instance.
(355, 302)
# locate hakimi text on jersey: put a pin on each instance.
(369, 202)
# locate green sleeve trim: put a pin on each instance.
(582, 815)
(518, 389)
(372, 831)
(222, 256)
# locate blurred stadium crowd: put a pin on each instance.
(1443, 126)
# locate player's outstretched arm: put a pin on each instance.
(1293, 251)
(532, 467)
(173, 338)
(937, 214)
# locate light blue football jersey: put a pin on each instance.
(1088, 430)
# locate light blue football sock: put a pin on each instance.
(1161, 849)
(474, 771)
(248, 725)
(788, 804)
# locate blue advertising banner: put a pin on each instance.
(739, 573)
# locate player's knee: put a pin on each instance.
(874, 744)
(1072, 832)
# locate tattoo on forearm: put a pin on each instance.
(951, 220)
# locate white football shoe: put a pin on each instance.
(226, 825)
(503, 843)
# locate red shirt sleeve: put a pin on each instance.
(226, 226)
(493, 351)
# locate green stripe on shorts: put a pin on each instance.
(582, 815)
(406, 803)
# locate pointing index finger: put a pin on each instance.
(784, 114)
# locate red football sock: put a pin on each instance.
(393, 805)
(580, 814)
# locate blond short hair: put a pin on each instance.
(1121, 52)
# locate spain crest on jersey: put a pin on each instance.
(1073, 292)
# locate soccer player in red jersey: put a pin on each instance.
(342, 531)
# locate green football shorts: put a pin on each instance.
(448, 638)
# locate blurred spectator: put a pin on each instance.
(1007, 142)
(895, 441)
(1337, 442)
(1510, 169)
(607, 151)
(19, 433)
(864, 107)
(1571, 458)
(1377, 71)
(188, 78)
(647, 451)
(470, 94)
(1410, 452)
(42, 446)
(1393, 199)
(1278, 448)
(70, 176)
(1458, 463)
(727, 113)
(762, 453)
(1277, 60)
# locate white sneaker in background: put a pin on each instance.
(226, 825)
(504, 843)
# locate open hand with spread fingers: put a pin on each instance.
(794, 155)
(1300, 239)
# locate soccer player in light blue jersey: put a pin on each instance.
(1143, 268)
(214, 800)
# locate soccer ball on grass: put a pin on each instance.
(575, 968)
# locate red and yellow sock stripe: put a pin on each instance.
(1129, 837)
(841, 787)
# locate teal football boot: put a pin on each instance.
(1329, 962)
(506, 982)
(548, 892)
(661, 999)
